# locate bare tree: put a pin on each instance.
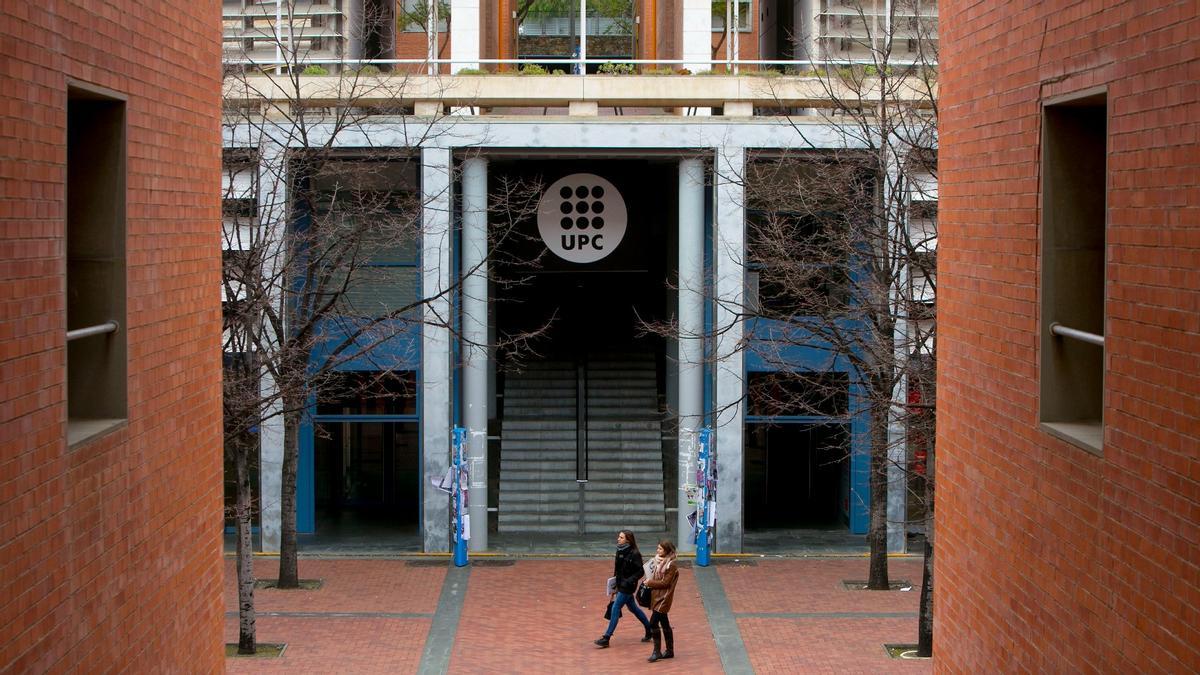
(845, 252)
(319, 251)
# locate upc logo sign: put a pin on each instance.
(582, 218)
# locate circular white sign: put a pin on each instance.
(582, 218)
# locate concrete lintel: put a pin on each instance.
(738, 109)
(427, 108)
(583, 109)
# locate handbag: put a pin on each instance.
(608, 610)
(643, 596)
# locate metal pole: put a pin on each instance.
(99, 329)
(1057, 328)
(583, 37)
(704, 477)
(460, 542)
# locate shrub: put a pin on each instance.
(471, 71)
(314, 70)
(611, 68)
(531, 69)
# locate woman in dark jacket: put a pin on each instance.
(627, 568)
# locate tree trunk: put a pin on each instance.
(877, 532)
(289, 576)
(925, 618)
(245, 552)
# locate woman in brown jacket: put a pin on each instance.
(661, 582)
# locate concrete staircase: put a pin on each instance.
(538, 488)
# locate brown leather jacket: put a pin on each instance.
(662, 587)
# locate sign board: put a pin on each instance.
(582, 218)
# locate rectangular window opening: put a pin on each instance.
(95, 283)
(1074, 150)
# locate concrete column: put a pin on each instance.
(464, 34)
(475, 341)
(697, 34)
(729, 226)
(894, 200)
(436, 185)
(690, 363)
(272, 210)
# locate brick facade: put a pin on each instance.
(1049, 556)
(110, 551)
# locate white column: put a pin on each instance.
(436, 185)
(690, 363)
(272, 210)
(475, 341)
(894, 200)
(464, 34)
(697, 34)
(729, 262)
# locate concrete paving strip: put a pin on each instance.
(440, 642)
(341, 615)
(734, 658)
(826, 615)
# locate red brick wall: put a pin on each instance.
(1048, 557)
(110, 553)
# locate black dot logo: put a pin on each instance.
(565, 207)
(597, 222)
(582, 207)
(581, 222)
(597, 192)
(565, 192)
(581, 191)
(598, 207)
(566, 223)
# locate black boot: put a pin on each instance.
(657, 653)
(646, 637)
(602, 642)
(670, 636)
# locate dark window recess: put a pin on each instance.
(1074, 180)
(95, 283)
(778, 394)
(368, 392)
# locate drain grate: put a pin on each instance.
(426, 563)
(262, 650)
(856, 585)
(305, 584)
(903, 651)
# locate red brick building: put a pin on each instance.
(110, 441)
(1069, 472)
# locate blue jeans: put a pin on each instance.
(620, 600)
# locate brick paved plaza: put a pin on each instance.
(530, 615)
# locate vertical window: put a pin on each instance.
(1074, 144)
(95, 284)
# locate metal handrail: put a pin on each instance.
(98, 329)
(811, 63)
(1060, 330)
